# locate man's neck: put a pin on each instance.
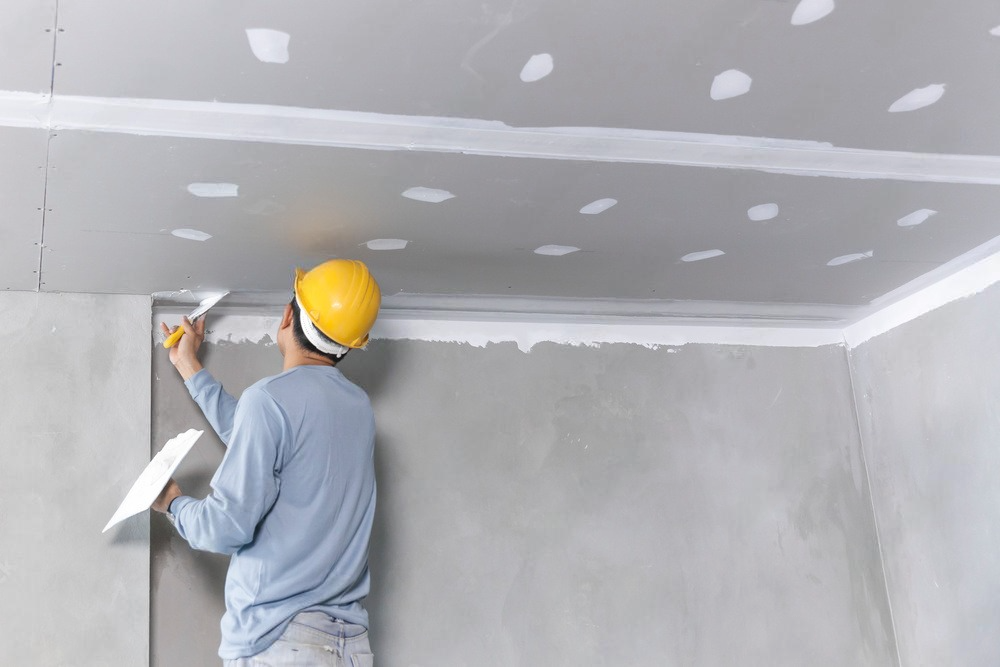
(294, 358)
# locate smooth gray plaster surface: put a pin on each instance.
(703, 506)
(74, 423)
(927, 396)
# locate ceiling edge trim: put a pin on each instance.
(373, 131)
(960, 278)
(254, 318)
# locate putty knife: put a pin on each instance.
(195, 315)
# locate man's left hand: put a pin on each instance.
(170, 491)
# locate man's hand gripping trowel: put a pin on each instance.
(195, 315)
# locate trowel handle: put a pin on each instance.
(173, 338)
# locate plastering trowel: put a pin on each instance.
(195, 315)
(156, 475)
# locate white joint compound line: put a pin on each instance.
(480, 333)
(373, 131)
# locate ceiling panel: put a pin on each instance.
(629, 64)
(115, 200)
(22, 191)
(27, 28)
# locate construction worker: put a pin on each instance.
(294, 496)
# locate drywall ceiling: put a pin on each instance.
(769, 158)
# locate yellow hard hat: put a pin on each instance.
(341, 299)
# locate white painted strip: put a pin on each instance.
(372, 131)
(482, 329)
(226, 328)
(913, 300)
(526, 335)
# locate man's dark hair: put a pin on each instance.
(303, 342)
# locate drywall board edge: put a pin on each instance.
(374, 131)
(963, 277)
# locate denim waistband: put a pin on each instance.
(321, 622)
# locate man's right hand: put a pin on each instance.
(184, 355)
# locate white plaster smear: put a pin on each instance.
(848, 259)
(555, 250)
(226, 327)
(429, 195)
(810, 11)
(763, 212)
(372, 131)
(526, 335)
(214, 189)
(386, 244)
(916, 218)
(270, 46)
(702, 255)
(599, 206)
(538, 67)
(918, 99)
(995, 31)
(191, 234)
(729, 84)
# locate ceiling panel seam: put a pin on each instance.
(374, 131)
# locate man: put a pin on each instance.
(294, 496)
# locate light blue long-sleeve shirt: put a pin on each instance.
(292, 501)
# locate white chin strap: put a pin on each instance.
(319, 341)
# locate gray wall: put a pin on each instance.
(927, 395)
(74, 428)
(573, 506)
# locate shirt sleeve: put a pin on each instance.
(218, 406)
(245, 486)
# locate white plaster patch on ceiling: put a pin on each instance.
(996, 31)
(599, 206)
(729, 84)
(555, 250)
(191, 234)
(918, 98)
(763, 212)
(270, 46)
(429, 195)
(810, 11)
(214, 189)
(853, 257)
(538, 67)
(386, 244)
(916, 218)
(702, 255)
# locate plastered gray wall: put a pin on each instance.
(74, 428)
(928, 395)
(700, 506)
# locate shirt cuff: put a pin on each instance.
(175, 508)
(199, 382)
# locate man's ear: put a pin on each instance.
(286, 317)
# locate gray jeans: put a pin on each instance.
(314, 639)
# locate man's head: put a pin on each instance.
(334, 308)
